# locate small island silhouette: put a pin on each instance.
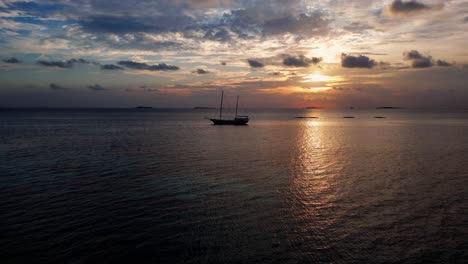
(389, 107)
(204, 107)
(313, 107)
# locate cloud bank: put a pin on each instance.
(143, 66)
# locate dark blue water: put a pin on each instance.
(165, 186)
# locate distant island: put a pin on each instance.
(143, 107)
(203, 107)
(388, 107)
(313, 107)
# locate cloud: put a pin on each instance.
(361, 61)
(163, 67)
(442, 63)
(143, 66)
(307, 25)
(97, 87)
(166, 21)
(274, 18)
(201, 71)
(64, 64)
(300, 61)
(357, 27)
(134, 65)
(59, 64)
(79, 61)
(223, 63)
(255, 64)
(405, 7)
(55, 86)
(122, 24)
(113, 24)
(12, 60)
(418, 60)
(110, 67)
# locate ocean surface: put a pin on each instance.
(166, 186)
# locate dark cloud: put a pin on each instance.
(274, 18)
(360, 61)
(144, 66)
(218, 34)
(34, 8)
(404, 7)
(307, 25)
(255, 64)
(275, 73)
(465, 20)
(201, 71)
(442, 63)
(123, 24)
(131, 25)
(97, 87)
(79, 61)
(223, 63)
(418, 60)
(110, 67)
(113, 24)
(413, 55)
(242, 19)
(64, 64)
(300, 61)
(163, 67)
(12, 60)
(59, 64)
(134, 65)
(55, 86)
(423, 63)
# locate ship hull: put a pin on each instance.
(232, 122)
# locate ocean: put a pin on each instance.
(166, 186)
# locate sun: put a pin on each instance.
(317, 77)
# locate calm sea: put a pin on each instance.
(166, 186)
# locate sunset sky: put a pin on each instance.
(181, 53)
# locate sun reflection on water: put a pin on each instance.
(314, 185)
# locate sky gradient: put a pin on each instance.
(181, 53)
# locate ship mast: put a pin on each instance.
(221, 107)
(237, 103)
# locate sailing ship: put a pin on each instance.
(237, 121)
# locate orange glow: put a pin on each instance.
(319, 77)
(294, 89)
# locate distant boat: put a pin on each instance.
(143, 107)
(237, 121)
